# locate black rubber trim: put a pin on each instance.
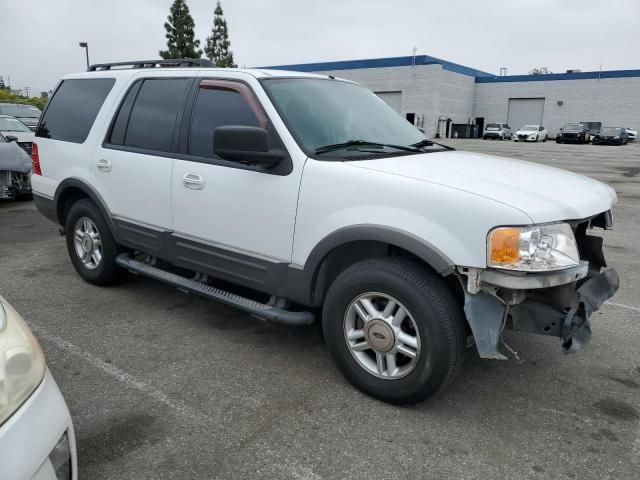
(399, 238)
(46, 206)
(90, 192)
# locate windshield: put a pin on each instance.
(573, 127)
(329, 112)
(493, 126)
(530, 128)
(20, 111)
(610, 131)
(12, 125)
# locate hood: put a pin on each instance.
(21, 136)
(13, 158)
(527, 132)
(545, 194)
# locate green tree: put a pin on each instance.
(181, 42)
(217, 47)
(540, 71)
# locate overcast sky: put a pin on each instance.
(39, 38)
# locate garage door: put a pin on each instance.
(525, 111)
(393, 99)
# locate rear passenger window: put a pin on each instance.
(216, 107)
(73, 109)
(153, 115)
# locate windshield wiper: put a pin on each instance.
(360, 143)
(430, 143)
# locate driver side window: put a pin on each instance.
(216, 107)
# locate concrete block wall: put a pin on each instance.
(427, 90)
(613, 101)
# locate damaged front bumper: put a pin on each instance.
(551, 303)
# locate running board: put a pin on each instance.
(262, 310)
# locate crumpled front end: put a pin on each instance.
(557, 303)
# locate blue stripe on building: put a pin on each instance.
(479, 75)
(382, 63)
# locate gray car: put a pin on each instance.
(27, 114)
(15, 170)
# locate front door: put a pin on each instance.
(231, 219)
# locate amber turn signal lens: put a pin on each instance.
(504, 245)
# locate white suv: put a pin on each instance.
(495, 131)
(307, 191)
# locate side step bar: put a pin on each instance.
(262, 310)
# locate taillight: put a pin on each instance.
(35, 160)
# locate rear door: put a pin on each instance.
(230, 218)
(132, 168)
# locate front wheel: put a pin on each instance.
(91, 245)
(394, 329)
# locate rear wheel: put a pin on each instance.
(91, 245)
(394, 329)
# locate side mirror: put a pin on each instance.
(243, 144)
(11, 138)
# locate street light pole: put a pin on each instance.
(85, 45)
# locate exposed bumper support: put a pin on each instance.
(561, 311)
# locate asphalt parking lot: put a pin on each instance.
(161, 384)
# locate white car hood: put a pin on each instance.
(526, 132)
(21, 136)
(545, 194)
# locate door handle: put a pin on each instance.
(104, 165)
(193, 181)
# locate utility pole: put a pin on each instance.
(85, 45)
(27, 90)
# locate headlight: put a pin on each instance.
(21, 361)
(532, 249)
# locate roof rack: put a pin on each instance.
(174, 62)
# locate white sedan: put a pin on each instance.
(531, 133)
(36, 433)
(632, 134)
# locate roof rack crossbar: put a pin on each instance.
(173, 62)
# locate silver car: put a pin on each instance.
(27, 114)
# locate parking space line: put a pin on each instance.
(628, 307)
(123, 377)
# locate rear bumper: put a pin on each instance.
(30, 434)
(46, 206)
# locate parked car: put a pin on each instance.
(14, 129)
(531, 133)
(15, 169)
(631, 133)
(36, 432)
(573, 133)
(611, 136)
(262, 179)
(497, 130)
(593, 128)
(27, 114)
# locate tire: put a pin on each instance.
(484, 137)
(102, 272)
(433, 315)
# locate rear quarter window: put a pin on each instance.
(73, 108)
